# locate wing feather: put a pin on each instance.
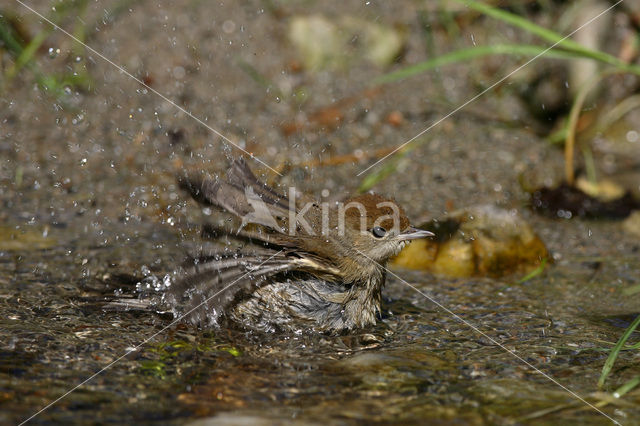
(208, 288)
(241, 194)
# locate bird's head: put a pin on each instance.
(376, 227)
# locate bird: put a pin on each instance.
(307, 265)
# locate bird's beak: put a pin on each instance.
(414, 233)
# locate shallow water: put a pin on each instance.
(88, 198)
(419, 362)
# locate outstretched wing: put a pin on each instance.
(241, 194)
(212, 284)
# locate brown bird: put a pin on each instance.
(309, 264)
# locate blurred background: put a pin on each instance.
(443, 105)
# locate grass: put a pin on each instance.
(468, 54)
(25, 52)
(558, 40)
(260, 79)
(562, 48)
(24, 48)
(615, 352)
(23, 57)
(539, 270)
(386, 170)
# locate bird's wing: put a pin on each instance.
(241, 194)
(212, 284)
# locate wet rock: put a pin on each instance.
(404, 370)
(632, 224)
(566, 201)
(16, 239)
(605, 190)
(477, 241)
(326, 43)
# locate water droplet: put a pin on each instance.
(53, 52)
(77, 119)
(179, 72)
(228, 26)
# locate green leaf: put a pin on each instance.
(608, 365)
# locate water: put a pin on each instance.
(419, 362)
(88, 197)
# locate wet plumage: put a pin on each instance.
(308, 265)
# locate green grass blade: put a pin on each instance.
(470, 53)
(535, 272)
(259, 78)
(15, 48)
(383, 172)
(27, 54)
(548, 35)
(6, 36)
(608, 365)
(522, 23)
(618, 393)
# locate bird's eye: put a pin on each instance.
(378, 232)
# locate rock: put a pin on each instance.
(326, 43)
(632, 224)
(477, 241)
(25, 238)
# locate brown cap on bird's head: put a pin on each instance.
(378, 211)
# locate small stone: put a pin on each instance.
(632, 224)
(395, 118)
